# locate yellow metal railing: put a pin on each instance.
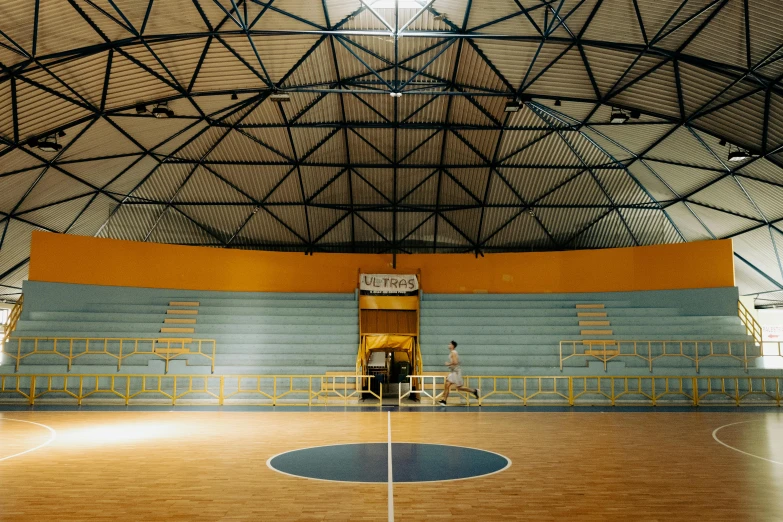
(613, 390)
(71, 348)
(270, 390)
(651, 351)
(13, 318)
(751, 325)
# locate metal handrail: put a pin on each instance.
(751, 325)
(306, 390)
(650, 351)
(310, 390)
(162, 348)
(13, 319)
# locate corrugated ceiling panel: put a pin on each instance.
(728, 195)
(14, 186)
(204, 187)
(720, 223)
(94, 216)
(174, 227)
(723, 37)
(279, 54)
(742, 122)
(57, 217)
(53, 186)
(609, 232)
(220, 220)
(758, 248)
(687, 222)
(132, 222)
(769, 198)
(257, 181)
(564, 223)
(649, 227)
(16, 245)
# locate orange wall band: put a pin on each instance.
(86, 260)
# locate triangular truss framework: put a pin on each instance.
(395, 137)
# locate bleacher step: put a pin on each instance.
(179, 321)
(586, 306)
(182, 312)
(177, 330)
(183, 303)
(596, 332)
(175, 340)
(591, 314)
(593, 323)
(603, 342)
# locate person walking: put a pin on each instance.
(455, 375)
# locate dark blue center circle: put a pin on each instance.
(368, 462)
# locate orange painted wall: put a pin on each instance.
(86, 260)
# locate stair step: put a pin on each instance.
(601, 352)
(593, 323)
(177, 330)
(182, 312)
(182, 321)
(591, 314)
(183, 303)
(589, 306)
(602, 342)
(596, 332)
(175, 340)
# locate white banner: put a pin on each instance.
(388, 283)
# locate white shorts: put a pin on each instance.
(455, 379)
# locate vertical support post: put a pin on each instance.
(571, 390)
(695, 390)
(32, 390)
(127, 389)
(119, 358)
(81, 383)
(18, 355)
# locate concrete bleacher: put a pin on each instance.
(255, 333)
(520, 334)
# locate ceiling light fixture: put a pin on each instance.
(395, 94)
(234, 96)
(558, 103)
(618, 116)
(636, 114)
(46, 144)
(280, 97)
(722, 143)
(162, 110)
(513, 106)
(738, 154)
(141, 109)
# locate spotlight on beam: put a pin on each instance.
(395, 94)
(739, 155)
(141, 109)
(162, 110)
(234, 96)
(618, 116)
(49, 144)
(513, 106)
(558, 103)
(280, 97)
(636, 114)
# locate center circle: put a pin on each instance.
(368, 462)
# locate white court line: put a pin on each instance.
(390, 479)
(54, 436)
(715, 436)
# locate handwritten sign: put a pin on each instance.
(388, 283)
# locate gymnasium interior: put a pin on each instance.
(239, 240)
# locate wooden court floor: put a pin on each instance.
(565, 466)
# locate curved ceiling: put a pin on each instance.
(394, 137)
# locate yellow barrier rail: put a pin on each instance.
(651, 351)
(13, 319)
(614, 390)
(751, 325)
(269, 390)
(71, 348)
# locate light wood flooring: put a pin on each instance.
(565, 466)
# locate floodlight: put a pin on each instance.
(558, 103)
(722, 143)
(618, 116)
(636, 114)
(512, 106)
(234, 96)
(395, 94)
(280, 97)
(49, 144)
(739, 155)
(162, 110)
(141, 109)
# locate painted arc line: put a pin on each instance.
(715, 436)
(390, 475)
(51, 439)
(368, 462)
